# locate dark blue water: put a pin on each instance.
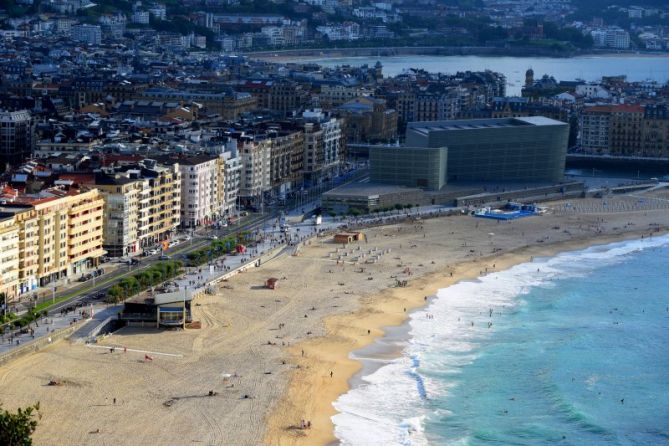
(577, 354)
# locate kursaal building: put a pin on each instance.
(528, 149)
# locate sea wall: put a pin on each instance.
(412, 51)
(40, 343)
(262, 259)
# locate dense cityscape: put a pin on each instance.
(243, 25)
(153, 151)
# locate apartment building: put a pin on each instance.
(595, 125)
(60, 234)
(324, 146)
(229, 104)
(232, 177)
(121, 225)
(142, 206)
(632, 130)
(655, 131)
(335, 93)
(202, 188)
(255, 155)
(159, 201)
(625, 133)
(16, 137)
(369, 119)
(88, 34)
(286, 159)
(282, 96)
(9, 256)
(425, 106)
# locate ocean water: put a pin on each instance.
(589, 68)
(567, 350)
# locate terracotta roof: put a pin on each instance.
(622, 108)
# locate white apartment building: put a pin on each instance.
(344, 31)
(611, 38)
(592, 91)
(232, 178)
(158, 11)
(256, 164)
(89, 34)
(323, 146)
(201, 198)
(141, 17)
(617, 38)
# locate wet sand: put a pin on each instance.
(252, 338)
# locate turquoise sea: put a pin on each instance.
(567, 350)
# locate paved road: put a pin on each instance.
(69, 295)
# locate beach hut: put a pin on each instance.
(348, 237)
(271, 283)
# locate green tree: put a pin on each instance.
(144, 278)
(16, 428)
(156, 277)
(130, 285)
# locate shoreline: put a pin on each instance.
(386, 311)
(307, 54)
(248, 349)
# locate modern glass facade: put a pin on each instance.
(507, 149)
(422, 167)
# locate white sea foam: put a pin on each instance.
(391, 405)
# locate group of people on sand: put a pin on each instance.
(305, 424)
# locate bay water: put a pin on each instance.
(566, 350)
(589, 68)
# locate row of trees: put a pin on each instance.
(156, 274)
(10, 320)
(355, 212)
(217, 248)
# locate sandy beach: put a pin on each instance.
(272, 358)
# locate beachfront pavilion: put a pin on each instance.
(162, 310)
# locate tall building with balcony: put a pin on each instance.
(142, 206)
(595, 127)
(324, 146)
(286, 160)
(232, 166)
(17, 138)
(9, 257)
(60, 234)
(159, 202)
(628, 129)
(121, 194)
(255, 156)
(202, 188)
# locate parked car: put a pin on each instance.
(164, 257)
(213, 237)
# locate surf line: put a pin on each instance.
(175, 355)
